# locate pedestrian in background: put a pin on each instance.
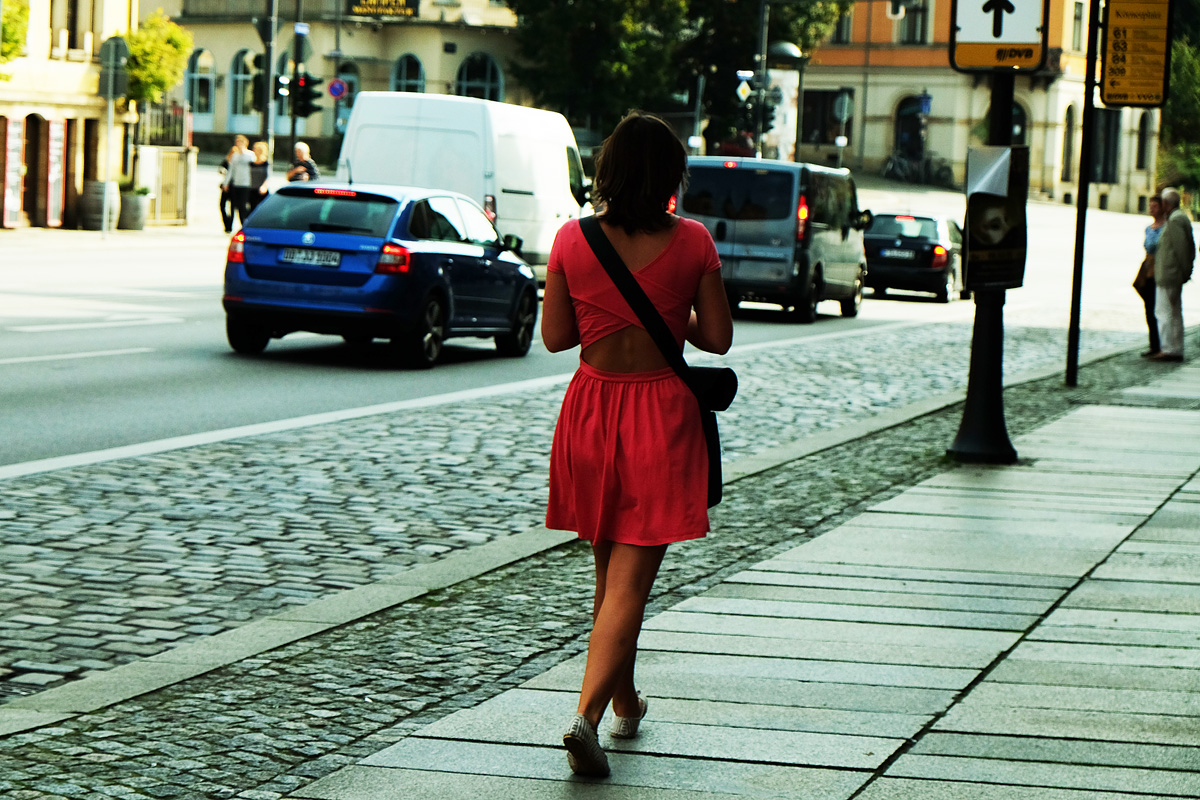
(629, 465)
(226, 202)
(260, 173)
(237, 177)
(303, 168)
(1144, 281)
(1173, 261)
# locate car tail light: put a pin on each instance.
(393, 260)
(730, 165)
(940, 256)
(801, 218)
(489, 206)
(336, 192)
(237, 249)
(672, 204)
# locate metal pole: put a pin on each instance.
(1086, 163)
(109, 91)
(337, 62)
(297, 44)
(982, 435)
(696, 114)
(761, 91)
(268, 133)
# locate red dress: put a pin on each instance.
(629, 462)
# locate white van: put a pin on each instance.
(521, 164)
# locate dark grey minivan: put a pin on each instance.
(787, 233)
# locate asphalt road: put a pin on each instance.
(116, 340)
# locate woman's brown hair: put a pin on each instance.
(640, 167)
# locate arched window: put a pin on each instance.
(1145, 124)
(241, 84)
(199, 81)
(910, 128)
(408, 75)
(1068, 145)
(479, 76)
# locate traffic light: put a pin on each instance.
(282, 84)
(258, 89)
(306, 95)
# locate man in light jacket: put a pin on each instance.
(237, 178)
(1172, 268)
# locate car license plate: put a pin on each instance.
(319, 258)
(904, 255)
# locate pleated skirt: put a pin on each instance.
(629, 463)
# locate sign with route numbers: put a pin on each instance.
(987, 35)
(1137, 53)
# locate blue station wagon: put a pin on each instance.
(413, 266)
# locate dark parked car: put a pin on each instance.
(787, 233)
(414, 266)
(922, 254)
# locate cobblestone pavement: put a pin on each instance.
(108, 563)
(263, 727)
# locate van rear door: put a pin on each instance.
(750, 210)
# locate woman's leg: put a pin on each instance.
(1147, 290)
(624, 576)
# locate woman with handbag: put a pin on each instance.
(1143, 282)
(629, 466)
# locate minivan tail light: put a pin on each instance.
(489, 206)
(730, 165)
(801, 218)
(237, 249)
(940, 256)
(393, 260)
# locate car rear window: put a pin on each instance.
(741, 193)
(364, 214)
(904, 227)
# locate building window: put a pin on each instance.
(913, 26)
(199, 82)
(1107, 142)
(821, 115)
(1145, 124)
(841, 31)
(479, 76)
(1077, 27)
(1068, 145)
(409, 75)
(241, 83)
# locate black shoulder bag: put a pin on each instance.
(714, 387)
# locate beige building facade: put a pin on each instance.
(53, 133)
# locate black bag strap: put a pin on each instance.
(632, 291)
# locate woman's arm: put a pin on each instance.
(711, 325)
(560, 331)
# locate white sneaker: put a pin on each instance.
(627, 727)
(585, 756)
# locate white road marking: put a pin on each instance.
(79, 326)
(129, 351)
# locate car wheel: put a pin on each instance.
(422, 346)
(804, 309)
(852, 303)
(949, 289)
(246, 337)
(516, 343)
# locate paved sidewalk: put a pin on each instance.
(1029, 631)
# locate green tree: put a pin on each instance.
(593, 60)
(158, 54)
(725, 39)
(15, 24)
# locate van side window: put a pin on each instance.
(436, 218)
(843, 200)
(821, 199)
(575, 175)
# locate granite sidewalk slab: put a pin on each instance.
(1020, 632)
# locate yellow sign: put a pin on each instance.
(987, 35)
(382, 8)
(1136, 53)
(975, 55)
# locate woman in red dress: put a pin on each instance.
(628, 467)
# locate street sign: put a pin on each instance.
(1137, 53)
(300, 29)
(337, 88)
(841, 107)
(114, 78)
(988, 35)
(743, 91)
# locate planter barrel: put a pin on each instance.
(91, 204)
(134, 209)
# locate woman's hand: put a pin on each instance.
(711, 325)
(560, 330)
